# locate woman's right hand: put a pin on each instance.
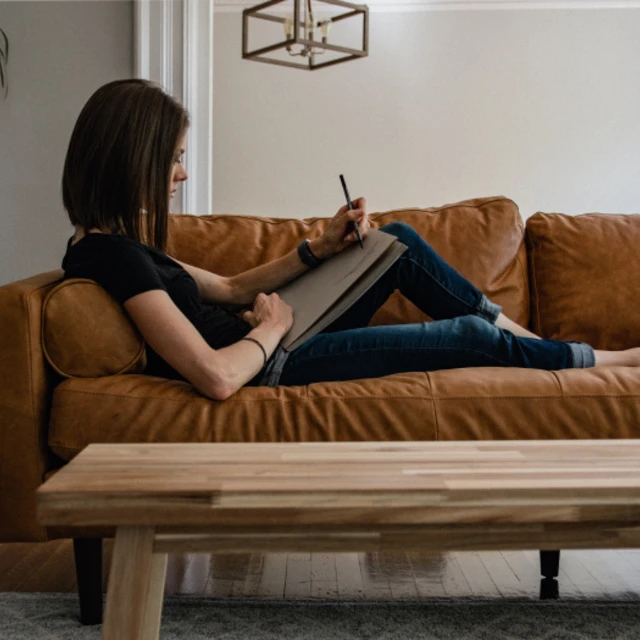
(270, 309)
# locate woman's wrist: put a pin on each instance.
(319, 248)
(270, 332)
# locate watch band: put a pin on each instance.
(306, 255)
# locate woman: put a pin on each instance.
(122, 167)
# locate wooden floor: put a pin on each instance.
(600, 574)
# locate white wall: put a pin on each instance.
(539, 105)
(60, 53)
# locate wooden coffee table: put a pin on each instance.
(337, 497)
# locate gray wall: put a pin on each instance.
(541, 106)
(60, 53)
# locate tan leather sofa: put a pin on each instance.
(72, 366)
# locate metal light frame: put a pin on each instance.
(258, 54)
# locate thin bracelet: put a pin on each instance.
(264, 353)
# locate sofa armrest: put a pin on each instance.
(25, 398)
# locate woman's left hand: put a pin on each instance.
(340, 232)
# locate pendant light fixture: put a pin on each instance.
(306, 26)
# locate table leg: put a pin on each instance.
(131, 593)
(153, 612)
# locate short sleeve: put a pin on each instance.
(129, 271)
(119, 265)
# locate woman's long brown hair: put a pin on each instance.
(119, 160)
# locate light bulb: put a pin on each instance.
(324, 27)
(288, 27)
(309, 27)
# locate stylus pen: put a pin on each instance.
(346, 195)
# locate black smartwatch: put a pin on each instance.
(306, 255)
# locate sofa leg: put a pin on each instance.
(549, 589)
(549, 563)
(88, 557)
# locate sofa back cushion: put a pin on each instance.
(87, 334)
(585, 278)
(483, 239)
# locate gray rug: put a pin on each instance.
(55, 617)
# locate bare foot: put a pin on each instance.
(626, 358)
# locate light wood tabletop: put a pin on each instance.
(358, 496)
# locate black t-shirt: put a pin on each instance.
(125, 268)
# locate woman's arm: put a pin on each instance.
(337, 236)
(216, 373)
(212, 288)
(268, 277)
(244, 287)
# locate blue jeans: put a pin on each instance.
(463, 333)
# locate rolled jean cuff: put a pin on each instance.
(488, 310)
(582, 354)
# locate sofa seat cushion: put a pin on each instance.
(530, 404)
(458, 404)
(142, 408)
